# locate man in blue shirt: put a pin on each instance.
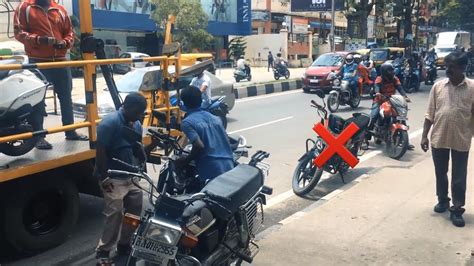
(120, 194)
(211, 149)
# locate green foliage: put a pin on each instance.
(237, 48)
(191, 22)
(457, 14)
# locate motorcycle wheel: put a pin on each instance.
(355, 101)
(407, 86)
(287, 74)
(19, 147)
(249, 78)
(306, 173)
(398, 144)
(237, 79)
(276, 76)
(333, 103)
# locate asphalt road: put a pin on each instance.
(278, 124)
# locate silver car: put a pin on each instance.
(135, 80)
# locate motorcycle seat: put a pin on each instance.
(4, 74)
(238, 185)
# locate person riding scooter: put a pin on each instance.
(349, 72)
(386, 84)
(243, 66)
(278, 63)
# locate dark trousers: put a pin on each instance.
(458, 181)
(270, 65)
(61, 78)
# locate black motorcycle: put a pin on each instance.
(281, 70)
(411, 79)
(307, 174)
(216, 226)
(186, 181)
(431, 71)
(342, 93)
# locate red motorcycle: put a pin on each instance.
(391, 125)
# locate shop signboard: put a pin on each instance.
(315, 5)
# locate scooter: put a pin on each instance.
(21, 90)
(411, 79)
(281, 71)
(342, 93)
(240, 74)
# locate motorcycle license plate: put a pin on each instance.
(401, 118)
(154, 251)
(314, 80)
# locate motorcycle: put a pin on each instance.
(307, 175)
(391, 126)
(240, 74)
(186, 181)
(342, 93)
(411, 79)
(430, 66)
(216, 226)
(21, 90)
(281, 71)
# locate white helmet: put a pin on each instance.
(349, 59)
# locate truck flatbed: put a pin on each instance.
(36, 161)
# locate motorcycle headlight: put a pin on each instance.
(336, 82)
(162, 232)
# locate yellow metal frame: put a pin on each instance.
(89, 63)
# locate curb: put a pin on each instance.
(262, 89)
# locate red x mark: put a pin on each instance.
(336, 145)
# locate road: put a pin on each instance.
(278, 124)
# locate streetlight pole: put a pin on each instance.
(333, 21)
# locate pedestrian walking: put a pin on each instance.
(45, 29)
(449, 115)
(120, 194)
(270, 61)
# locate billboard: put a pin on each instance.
(136, 7)
(315, 5)
(226, 17)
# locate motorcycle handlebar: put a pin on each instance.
(113, 173)
(126, 166)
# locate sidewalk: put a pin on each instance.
(386, 219)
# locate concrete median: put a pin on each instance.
(267, 88)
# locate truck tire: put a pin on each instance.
(40, 213)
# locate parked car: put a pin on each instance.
(125, 68)
(315, 77)
(132, 81)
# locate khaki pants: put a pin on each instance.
(124, 198)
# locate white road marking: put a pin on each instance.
(289, 193)
(261, 125)
(278, 94)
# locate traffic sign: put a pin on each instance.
(336, 145)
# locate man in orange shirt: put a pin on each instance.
(45, 29)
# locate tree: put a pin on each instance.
(357, 12)
(456, 14)
(237, 48)
(191, 22)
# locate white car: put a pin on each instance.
(125, 68)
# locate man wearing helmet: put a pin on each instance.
(386, 84)
(278, 60)
(431, 55)
(349, 72)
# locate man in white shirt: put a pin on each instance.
(203, 83)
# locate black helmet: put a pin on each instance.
(279, 54)
(387, 71)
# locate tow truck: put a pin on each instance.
(39, 191)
